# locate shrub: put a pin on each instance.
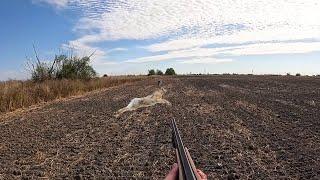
(288, 74)
(151, 72)
(170, 71)
(298, 74)
(62, 67)
(159, 72)
(74, 68)
(41, 71)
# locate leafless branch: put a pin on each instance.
(92, 53)
(35, 52)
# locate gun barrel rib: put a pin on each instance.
(188, 172)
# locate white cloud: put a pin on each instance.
(117, 49)
(204, 61)
(203, 55)
(55, 3)
(181, 54)
(275, 48)
(267, 35)
(83, 49)
(262, 26)
(144, 19)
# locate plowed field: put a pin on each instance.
(256, 127)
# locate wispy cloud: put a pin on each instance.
(55, 3)
(187, 27)
(143, 19)
(204, 61)
(242, 37)
(117, 49)
(274, 48)
(230, 51)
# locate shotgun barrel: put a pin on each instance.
(186, 165)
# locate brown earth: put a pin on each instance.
(247, 127)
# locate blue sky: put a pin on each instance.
(197, 36)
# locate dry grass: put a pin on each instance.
(22, 94)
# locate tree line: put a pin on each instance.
(169, 71)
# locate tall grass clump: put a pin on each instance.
(22, 94)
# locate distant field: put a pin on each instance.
(247, 127)
(22, 94)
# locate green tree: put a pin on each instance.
(170, 71)
(159, 72)
(151, 72)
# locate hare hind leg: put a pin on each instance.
(163, 101)
(121, 111)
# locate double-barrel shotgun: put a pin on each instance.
(187, 169)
